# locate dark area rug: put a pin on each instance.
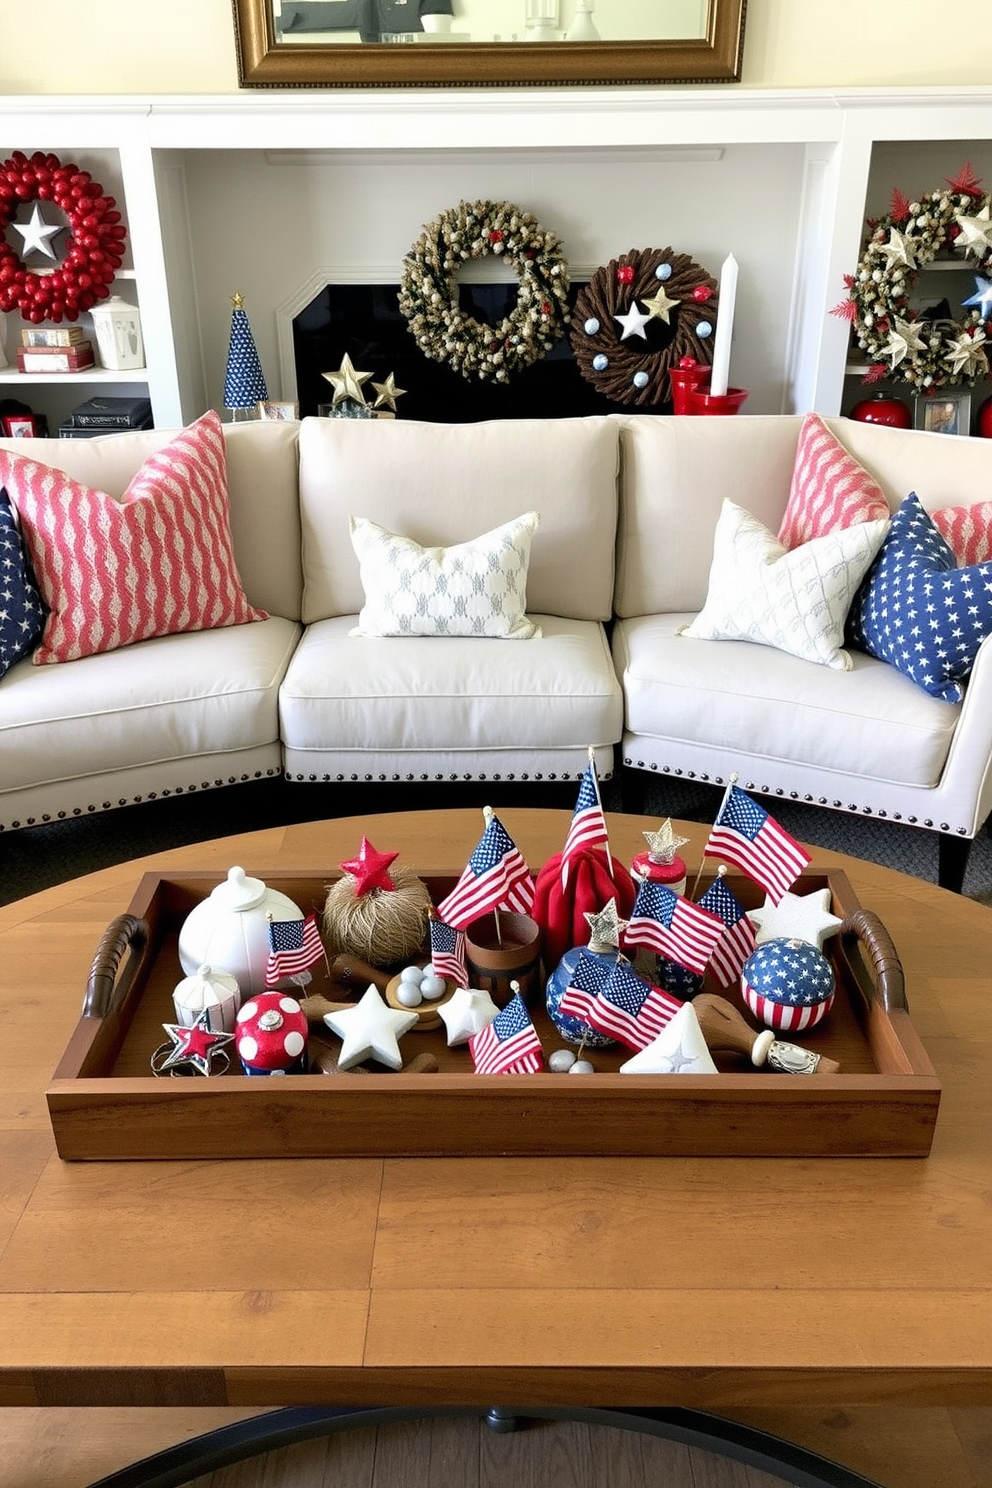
(38, 857)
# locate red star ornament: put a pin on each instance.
(370, 869)
(195, 1045)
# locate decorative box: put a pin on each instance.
(117, 326)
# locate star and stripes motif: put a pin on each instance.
(588, 825)
(448, 952)
(495, 877)
(294, 946)
(744, 834)
(509, 1045)
(673, 926)
(615, 1001)
(739, 935)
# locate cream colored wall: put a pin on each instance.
(187, 46)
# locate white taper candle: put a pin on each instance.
(720, 377)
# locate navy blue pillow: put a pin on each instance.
(22, 614)
(918, 611)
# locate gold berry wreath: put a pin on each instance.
(903, 343)
(95, 247)
(639, 315)
(429, 290)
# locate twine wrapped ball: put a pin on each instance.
(674, 298)
(381, 927)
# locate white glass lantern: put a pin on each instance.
(117, 326)
(208, 991)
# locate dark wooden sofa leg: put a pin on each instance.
(952, 861)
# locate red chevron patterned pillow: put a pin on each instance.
(157, 562)
(967, 531)
(829, 489)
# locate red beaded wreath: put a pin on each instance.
(95, 249)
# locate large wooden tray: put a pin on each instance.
(104, 1102)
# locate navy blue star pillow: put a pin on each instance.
(918, 611)
(22, 615)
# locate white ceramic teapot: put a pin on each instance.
(229, 930)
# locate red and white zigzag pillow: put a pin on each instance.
(158, 562)
(830, 490)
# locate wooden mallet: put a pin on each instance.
(725, 1028)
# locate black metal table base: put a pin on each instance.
(281, 1428)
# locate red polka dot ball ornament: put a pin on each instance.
(94, 251)
(788, 984)
(270, 1035)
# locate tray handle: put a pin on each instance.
(105, 990)
(889, 986)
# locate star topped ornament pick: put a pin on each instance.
(606, 927)
(370, 1030)
(633, 323)
(796, 916)
(194, 1045)
(387, 392)
(347, 382)
(664, 844)
(659, 306)
(37, 234)
(370, 869)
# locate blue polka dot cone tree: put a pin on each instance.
(244, 385)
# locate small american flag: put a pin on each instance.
(739, 937)
(630, 1009)
(673, 926)
(588, 824)
(495, 877)
(589, 977)
(448, 952)
(294, 945)
(745, 835)
(509, 1045)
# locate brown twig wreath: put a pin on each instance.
(900, 342)
(639, 315)
(95, 247)
(429, 290)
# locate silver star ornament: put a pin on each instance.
(976, 232)
(966, 353)
(982, 297)
(606, 927)
(903, 338)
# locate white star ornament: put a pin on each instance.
(466, 1013)
(976, 232)
(796, 917)
(679, 1049)
(370, 1030)
(899, 250)
(982, 296)
(633, 323)
(903, 339)
(36, 234)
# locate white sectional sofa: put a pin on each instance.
(620, 561)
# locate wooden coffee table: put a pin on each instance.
(728, 1285)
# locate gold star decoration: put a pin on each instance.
(664, 844)
(606, 927)
(976, 232)
(659, 306)
(903, 338)
(899, 250)
(967, 352)
(347, 382)
(387, 392)
(237, 301)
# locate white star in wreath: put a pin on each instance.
(967, 352)
(976, 232)
(899, 250)
(36, 233)
(982, 297)
(903, 338)
(633, 322)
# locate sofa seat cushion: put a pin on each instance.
(749, 699)
(172, 698)
(412, 696)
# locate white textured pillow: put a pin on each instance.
(476, 588)
(795, 600)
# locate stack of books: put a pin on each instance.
(55, 349)
(106, 416)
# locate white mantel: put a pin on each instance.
(262, 191)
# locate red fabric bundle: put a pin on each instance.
(561, 912)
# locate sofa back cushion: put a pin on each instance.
(442, 484)
(262, 495)
(675, 474)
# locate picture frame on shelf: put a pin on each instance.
(945, 412)
(20, 426)
(280, 412)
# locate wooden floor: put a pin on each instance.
(899, 1448)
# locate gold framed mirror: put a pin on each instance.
(488, 43)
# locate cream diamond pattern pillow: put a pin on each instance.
(793, 599)
(476, 588)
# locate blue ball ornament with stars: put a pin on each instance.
(788, 983)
